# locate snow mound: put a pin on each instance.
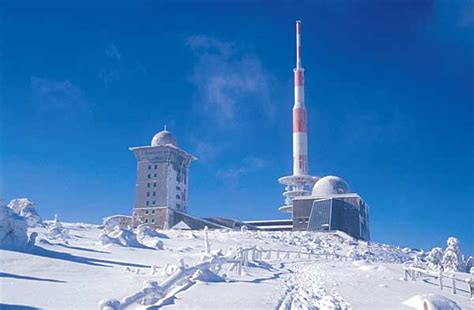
(13, 229)
(122, 237)
(26, 208)
(431, 302)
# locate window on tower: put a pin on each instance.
(154, 184)
(148, 194)
(156, 166)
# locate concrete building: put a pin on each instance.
(161, 183)
(331, 206)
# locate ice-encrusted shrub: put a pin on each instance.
(123, 237)
(57, 231)
(452, 258)
(435, 258)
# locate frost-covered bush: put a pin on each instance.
(13, 229)
(470, 264)
(123, 237)
(57, 231)
(452, 258)
(26, 208)
(435, 259)
(123, 221)
(150, 237)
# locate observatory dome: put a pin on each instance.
(330, 185)
(163, 138)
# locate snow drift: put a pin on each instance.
(431, 302)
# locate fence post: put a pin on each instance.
(269, 255)
(206, 241)
(454, 285)
(471, 287)
(440, 279)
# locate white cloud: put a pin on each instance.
(113, 52)
(249, 165)
(58, 94)
(225, 78)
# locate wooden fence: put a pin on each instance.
(412, 273)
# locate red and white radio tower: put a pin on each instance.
(300, 183)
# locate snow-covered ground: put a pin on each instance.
(80, 267)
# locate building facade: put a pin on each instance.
(161, 182)
(332, 207)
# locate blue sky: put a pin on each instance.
(389, 92)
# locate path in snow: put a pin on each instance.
(309, 287)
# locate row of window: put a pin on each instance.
(149, 185)
(152, 203)
(149, 167)
(148, 211)
(148, 194)
(154, 175)
(152, 221)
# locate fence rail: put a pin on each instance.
(413, 272)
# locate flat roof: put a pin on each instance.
(267, 221)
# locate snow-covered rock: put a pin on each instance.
(13, 229)
(26, 208)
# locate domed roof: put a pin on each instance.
(163, 138)
(330, 185)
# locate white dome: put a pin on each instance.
(330, 185)
(163, 138)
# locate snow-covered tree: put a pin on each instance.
(452, 258)
(435, 258)
(470, 264)
(57, 231)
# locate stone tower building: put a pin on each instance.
(162, 181)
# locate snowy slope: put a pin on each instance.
(79, 272)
